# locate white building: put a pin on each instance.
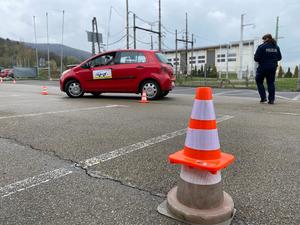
(225, 57)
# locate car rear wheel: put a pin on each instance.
(152, 89)
(165, 93)
(73, 89)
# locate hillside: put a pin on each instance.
(56, 49)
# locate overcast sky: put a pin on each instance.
(212, 22)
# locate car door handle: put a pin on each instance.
(140, 67)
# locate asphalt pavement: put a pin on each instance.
(104, 160)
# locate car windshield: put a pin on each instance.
(161, 57)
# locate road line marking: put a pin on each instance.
(227, 92)
(285, 98)
(61, 172)
(137, 146)
(33, 181)
(183, 89)
(285, 113)
(61, 111)
(297, 97)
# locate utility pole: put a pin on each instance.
(240, 74)
(48, 51)
(277, 29)
(108, 31)
(176, 55)
(93, 37)
(227, 51)
(62, 42)
(36, 49)
(97, 34)
(192, 54)
(151, 42)
(127, 25)
(186, 42)
(134, 31)
(159, 25)
(298, 83)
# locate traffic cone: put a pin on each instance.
(199, 198)
(14, 81)
(1, 80)
(44, 92)
(144, 98)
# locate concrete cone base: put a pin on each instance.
(221, 215)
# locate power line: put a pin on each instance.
(115, 42)
(143, 42)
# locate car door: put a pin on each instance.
(97, 73)
(127, 69)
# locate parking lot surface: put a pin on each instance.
(103, 160)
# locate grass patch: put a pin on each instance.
(282, 84)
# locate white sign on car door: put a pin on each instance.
(102, 74)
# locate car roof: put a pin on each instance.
(129, 50)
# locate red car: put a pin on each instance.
(126, 71)
(5, 73)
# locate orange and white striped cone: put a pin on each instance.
(199, 198)
(14, 81)
(44, 92)
(144, 98)
(1, 80)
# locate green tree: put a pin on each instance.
(213, 73)
(280, 72)
(288, 74)
(296, 71)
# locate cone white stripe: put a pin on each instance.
(202, 139)
(203, 110)
(199, 177)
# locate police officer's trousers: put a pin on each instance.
(269, 74)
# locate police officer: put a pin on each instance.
(267, 55)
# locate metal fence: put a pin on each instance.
(25, 72)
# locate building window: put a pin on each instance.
(192, 62)
(201, 57)
(221, 60)
(201, 61)
(176, 63)
(176, 59)
(231, 55)
(194, 57)
(221, 56)
(231, 59)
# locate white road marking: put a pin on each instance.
(33, 181)
(227, 92)
(285, 98)
(297, 97)
(183, 89)
(61, 172)
(61, 111)
(137, 146)
(285, 113)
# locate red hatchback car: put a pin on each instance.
(126, 71)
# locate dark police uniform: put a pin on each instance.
(267, 55)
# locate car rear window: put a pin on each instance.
(161, 57)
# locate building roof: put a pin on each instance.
(232, 44)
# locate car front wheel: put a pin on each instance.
(73, 89)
